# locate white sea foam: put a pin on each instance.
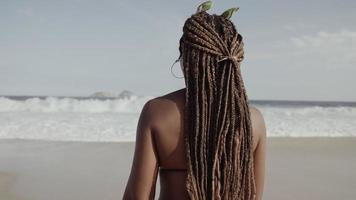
(311, 121)
(130, 104)
(73, 119)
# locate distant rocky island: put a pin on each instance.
(121, 95)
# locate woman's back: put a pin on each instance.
(169, 142)
(207, 128)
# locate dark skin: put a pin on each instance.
(160, 143)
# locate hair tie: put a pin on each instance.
(233, 58)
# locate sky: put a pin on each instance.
(294, 50)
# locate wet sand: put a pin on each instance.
(297, 168)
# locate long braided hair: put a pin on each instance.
(218, 132)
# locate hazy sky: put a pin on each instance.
(301, 50)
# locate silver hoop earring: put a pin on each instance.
(172, 68)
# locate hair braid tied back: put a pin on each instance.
(218, 133)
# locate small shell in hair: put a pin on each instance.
(228, 13)
(204, 6)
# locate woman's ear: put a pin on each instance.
(181, 65)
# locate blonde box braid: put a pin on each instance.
(218, 132)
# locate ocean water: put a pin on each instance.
(115, 119)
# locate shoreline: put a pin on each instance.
(296, 168)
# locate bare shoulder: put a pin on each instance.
(164, 107)
(166, 101)
(255, 112)
(258, 123)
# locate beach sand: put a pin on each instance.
(296, 168)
